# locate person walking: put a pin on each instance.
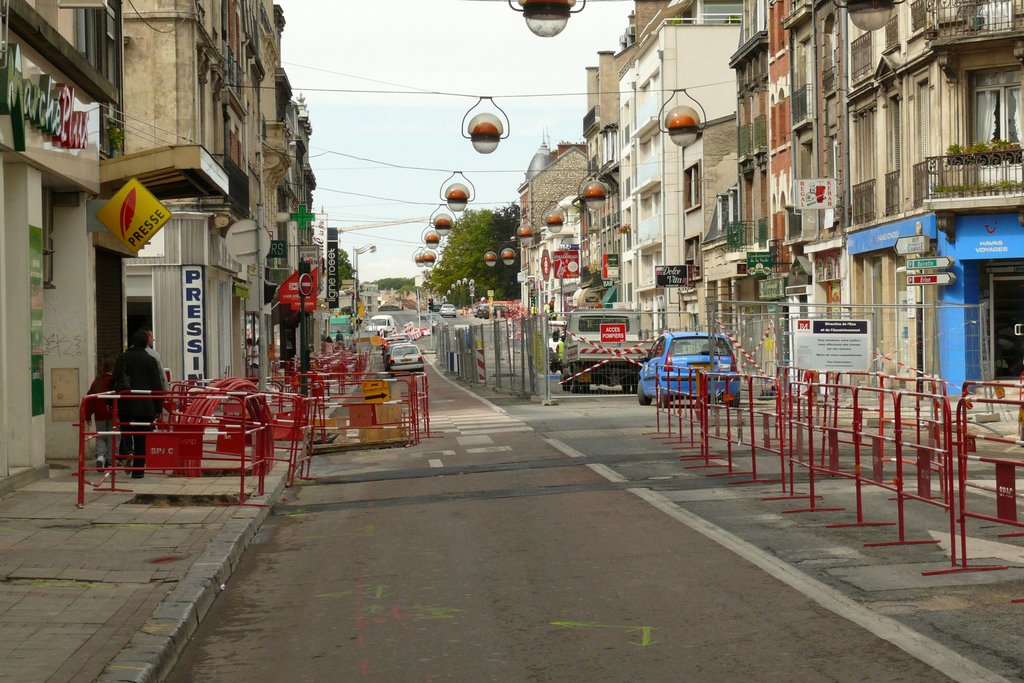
(137, 370)
(101, 413)
(160, 364)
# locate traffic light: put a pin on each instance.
(430, 304)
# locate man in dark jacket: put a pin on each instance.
(137, 371)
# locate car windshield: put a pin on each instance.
(697, 346)
(592, 323)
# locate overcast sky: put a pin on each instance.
(407, 51)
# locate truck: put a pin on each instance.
(617, 337)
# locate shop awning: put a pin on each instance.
(168, 172)
(610, 296)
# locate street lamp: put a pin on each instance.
(485, 130)
(355, 269)
(682, 123)
(869, 15)
(546, 18)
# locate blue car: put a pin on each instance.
(688, 350)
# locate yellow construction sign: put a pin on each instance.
(134, 215)
(376, 391)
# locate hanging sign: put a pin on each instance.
(134, 215)
(331, 267)
(193, 312)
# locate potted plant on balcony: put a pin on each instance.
(115, 140)
(623, 229)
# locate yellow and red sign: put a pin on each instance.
(134, 215)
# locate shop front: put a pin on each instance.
(988, 262)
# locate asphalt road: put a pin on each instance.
(489, 554)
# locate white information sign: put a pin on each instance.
(828, 345)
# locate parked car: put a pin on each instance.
(448, 311)
(404, 358)
(434, 320)
(688, 351)
(481, 310)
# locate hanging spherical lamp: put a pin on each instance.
(456, 196)
(508, 256)
(524, 231)
(554, 221)
(490, 258)
(683, 125)
(432, 239)
(443, 223)
(428, 259)
(594, 194)
(546, 18)
(485, 131)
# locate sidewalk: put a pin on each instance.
(112, 592)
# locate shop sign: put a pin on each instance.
(42, 104)
(193, 311)
(815, 193)
(566, 263)
(772, 288)
(610, 267)
(671, 276)
(759, 262)
(134, 215)
(288, 292)
(331, 268)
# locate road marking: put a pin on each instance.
(435, 462)
(645, 631)
(929, 651)
(489, 449)
(568, 450)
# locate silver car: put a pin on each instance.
(404, 358)
(447, 310)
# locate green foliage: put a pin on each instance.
(475, 233)
(402, 284)
(344, 265)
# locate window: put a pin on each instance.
(996, 100)
(691, 187)
(47, 238)
(895, 137)
(865, 144)
(924, 115)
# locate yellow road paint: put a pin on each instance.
(646, 632)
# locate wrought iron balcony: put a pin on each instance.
(741, 235)
(760, 133)
(745, 134)
(893, 196)
(971, 18)
(864, 202)
(801, 104)
(984, 174)
(238, 187)
(861, 57)
(590, 120)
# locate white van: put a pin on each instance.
(381, 325)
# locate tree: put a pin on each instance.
(344, 265)
(399, 284)
(475, 233)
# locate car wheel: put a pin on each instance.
(642, 398)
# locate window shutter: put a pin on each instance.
(923, 117)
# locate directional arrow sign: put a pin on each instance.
(932, 279)
(923, 263)
(914, 244)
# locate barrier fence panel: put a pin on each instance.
(986, 484)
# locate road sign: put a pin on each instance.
(613, 332)
(913, 244)
(306, 285)
(376, 391)
(924, 263)
(932, 279)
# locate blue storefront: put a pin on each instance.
(989, 263)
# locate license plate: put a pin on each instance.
(700, 366)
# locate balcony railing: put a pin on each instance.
(745, 134)
(648, 169)
(954, 18)
(892, 32)
(892, 193)
(737, 235)
(801, 104)
(649, 230)
(920, 183)
(864, 202)
(238, 187)
(760, 133)
(590, 120)
(860, 56)
(986, 174)
(918, 15)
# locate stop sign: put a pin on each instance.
(306, 284)
(545, 264)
